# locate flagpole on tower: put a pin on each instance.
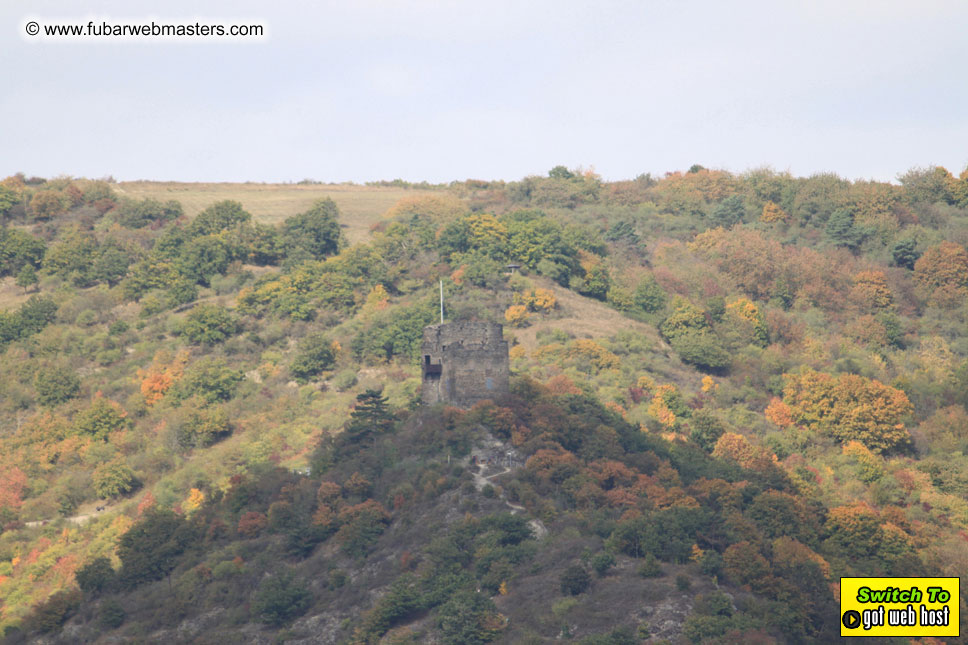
(441, 302)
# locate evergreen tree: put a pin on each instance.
(729, 212)
(841, 229)
(370, 418)
(905, 254)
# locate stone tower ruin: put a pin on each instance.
(464, 363)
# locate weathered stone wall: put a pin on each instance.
(464, 362)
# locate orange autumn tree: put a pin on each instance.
(738, 448)
(12, 485)
(942, 272)
(870, 290)
(772, 213)
(848, 407)
(941, 265)
(163, 373)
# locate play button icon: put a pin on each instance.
(851, 619)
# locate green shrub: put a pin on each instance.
(208, 324)
(100, 419)
(280, 598)
(464, 619)
(313, 355)
(111, 615)
(135, 214)
(113, 479)
(575, 580)
(649, 296)
(211, 379)
(713, 604)
(650, 567)
(182, 292)
(344, 380)
(56, 385)
(204, 427)
(602, 562)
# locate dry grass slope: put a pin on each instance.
(580, 316)
(361, 206)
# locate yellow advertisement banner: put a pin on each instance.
(899, 606)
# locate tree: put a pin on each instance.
(689, 334)
(56, 385)
(96, 576)
(929, 185)
(208, 324)
(841, 230)
(905, 253)
(27, 277)
(575, 580)
(113, 479)
(729, 212)
(772, 213)
(468, 618)
(370, 417)
(204, 427)
(744, 564)
(8, 198)
(870, 290)
(149, 550)
(182, 292)
(33, 316)
(849, 407)
(623, 231)
(706, 429)
(100, 419)
(596, 282)
(601, 562)
(18, 249)
(211, 379)
(134, 214)
(47, 204)
(560, 172)
(203, 257)
(111, 264)
(314, 234)
(218, 217)
(944, 265)
(649, 296)
(360, 527)
(702, 350)
(73, 257)
(280, 598)
(313, 356)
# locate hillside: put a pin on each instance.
(727, 392)
(361, 206)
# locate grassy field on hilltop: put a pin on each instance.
(360, 206)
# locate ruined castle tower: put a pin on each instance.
(464, 362)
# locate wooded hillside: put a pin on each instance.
(728, 391)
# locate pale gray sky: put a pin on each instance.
(438, 90)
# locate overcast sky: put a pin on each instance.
(437, 90)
